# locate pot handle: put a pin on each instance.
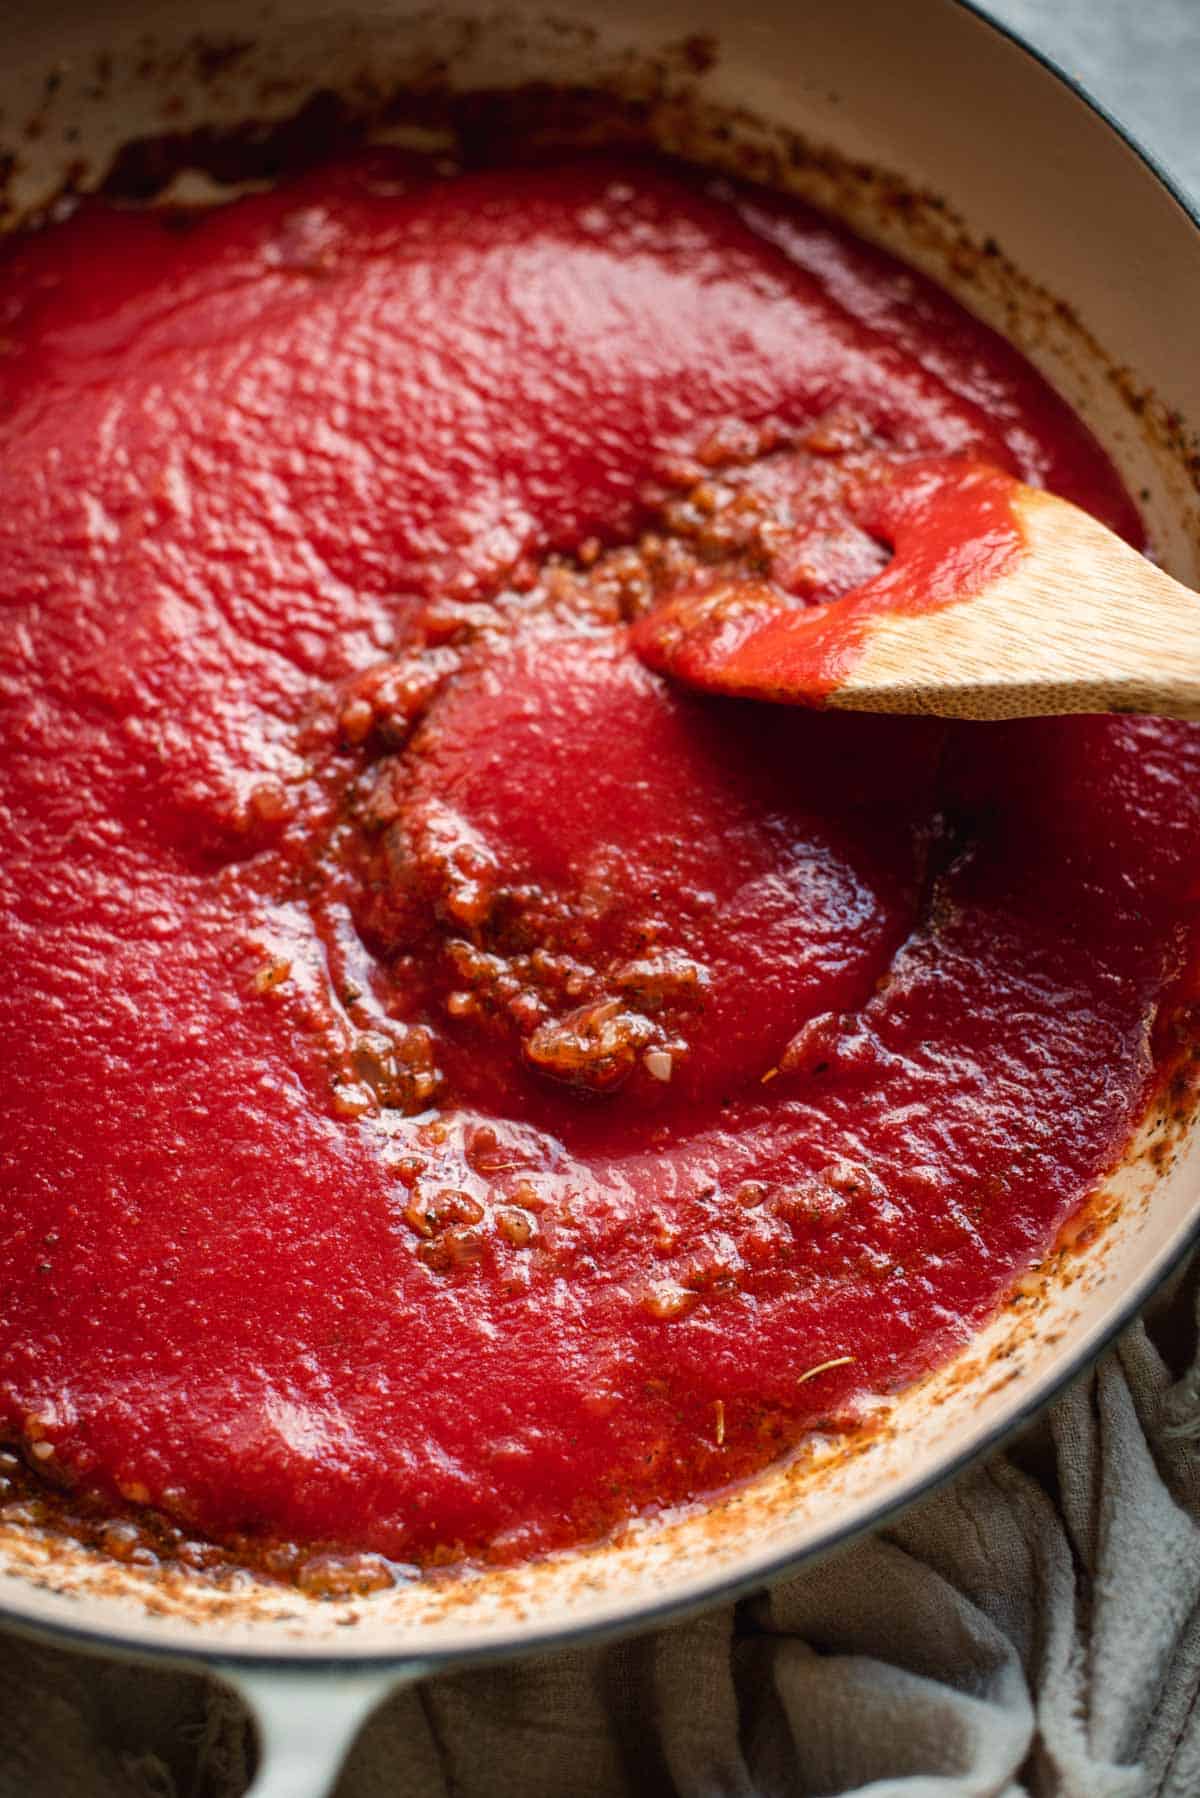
(307, 1720)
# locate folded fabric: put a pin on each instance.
(1034, 1628)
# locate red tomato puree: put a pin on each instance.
(460, 1089)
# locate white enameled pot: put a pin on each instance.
(1013, 190)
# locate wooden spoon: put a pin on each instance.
(1000, 601)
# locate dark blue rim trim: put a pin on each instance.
(721, 1588)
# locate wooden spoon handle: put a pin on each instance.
(1080, 623)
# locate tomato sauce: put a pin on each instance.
(458, 1088)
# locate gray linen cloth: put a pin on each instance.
(1034, 1628)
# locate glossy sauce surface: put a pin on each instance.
(454, 1086)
